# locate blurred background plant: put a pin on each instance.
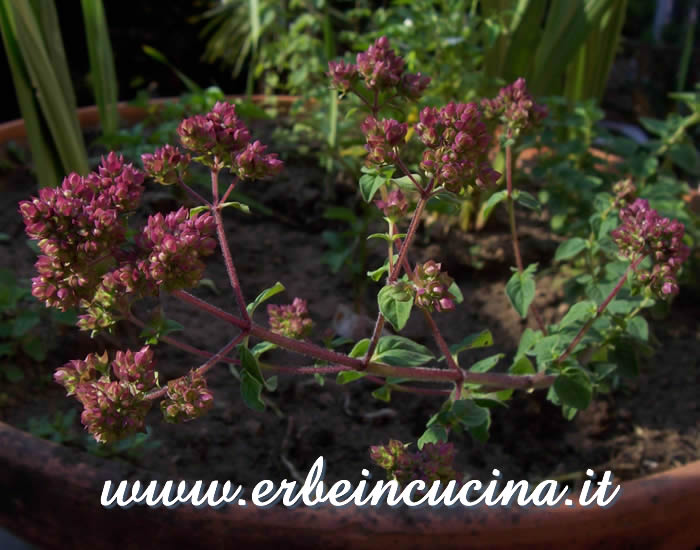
(34, 48)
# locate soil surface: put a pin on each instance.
(648, 425)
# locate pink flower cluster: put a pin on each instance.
(384, 137)
(643, 232)
(381, 69)
(457, 142)
(394, 206)
(86, 262)
(432, 287)
(187, 398)
(222, 137)
(175, 244)
(166, 165)
(514, 106)
(290, 320)
(76, 225)
(112, 409)
(434, 462)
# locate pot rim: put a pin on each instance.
(90, 115)
(35, 473)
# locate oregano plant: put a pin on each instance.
(90, 261)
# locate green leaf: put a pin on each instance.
(395, 304)
(250, 392)
(24, 322)
(265, 295)
(528, 339)
(157, 328)
(405, 182)
(237, 205)
(35, 348)
(487, 364)
(198, 210)
(347, 376)
(520, 290)
(386, 237)
(456, 292)
(580, 312)
(638, 328)
(469, 414)
(262, 347)
(481, 339)
(369, 185)
(360, 349)
(399, 351)
(493, 201)
(573, 387)
(685, 156)
(435, 433)
(527, 200)
(383, 393)
(522, 366)
(569, 249)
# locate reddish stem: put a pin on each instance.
(600, 310)
(225, 249)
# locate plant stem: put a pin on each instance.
(180, 345)
(444, 348)
(411, 373)
(196, 196)
(514, 230)
(225, 249)
(600, 310)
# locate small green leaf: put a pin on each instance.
(456, 292)
(578, 313)
(198, 209)
(487, 364)
(493, 201)
(400, 351)
(435, 433)
(527, 200)
(24, 322)
(569, 249)
(265, 295)
(347, 376)
(395, 303)
(360, 349)
(386, 237)
(638, 328)
(522, 366)
(520, 290)
(262, 347)
(573, 388)
(250, 391)
(469, 414)
(369, 185)
(157, 328)
(405, 182)
(237, 205)
(383, 393)
(481, 339)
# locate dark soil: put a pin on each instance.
(650, 424)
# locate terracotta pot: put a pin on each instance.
(50, 495)
(90, 116)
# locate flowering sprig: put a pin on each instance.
(187, 398)
(431, 286)
(457, 143)
(112, 409)
(291, 320)
(166, 165)
(515, 107)
(645, 233)
(434, 462)
(381, 70)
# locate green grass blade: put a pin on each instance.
(57, 107)
(46, 164)
(102, 70)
